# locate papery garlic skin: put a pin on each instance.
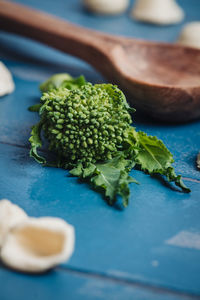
(190, 35)
(161, 12)
(10, 215)
(110, 7)
(7, 85)
(37, 245)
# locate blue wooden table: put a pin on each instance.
(150, 250)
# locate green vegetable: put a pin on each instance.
(62, 80)
(88, 124)
(111, 177)
(36, 142)
(89, 128)
(154, 158)
(56, 81)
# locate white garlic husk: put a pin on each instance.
(10, 215)
(190, 35)
(37, 245)
(163, 12)
(110, 7)
(7, 85)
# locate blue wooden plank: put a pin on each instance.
(66, 285)
(131, 244)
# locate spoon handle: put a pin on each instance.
(84, 43)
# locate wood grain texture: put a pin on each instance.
(162, 79)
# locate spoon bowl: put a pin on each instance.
(163, 80)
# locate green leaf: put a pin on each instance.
(171, 176)
(77, 171)
(62, 80)
(54, 82)
(36, 143)
(154, 158)
(111, 177)
(35, 108)
(74, 83)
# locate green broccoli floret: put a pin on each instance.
(89, 124)
(89, 128)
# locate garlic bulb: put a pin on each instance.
(162, 12)
(6, 82)
(10, 215)
(36, 245)
(106, 6)
(190, 35)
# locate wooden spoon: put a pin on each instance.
(162, 79)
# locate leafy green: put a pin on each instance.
(35, 107)
(62, 80)
(89, 129)
(87, 124)
(154, 158)
(74, 83)
(112, 177)
(36, 143)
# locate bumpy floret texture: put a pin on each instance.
(88, 124)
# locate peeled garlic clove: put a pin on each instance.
(162, 12)
(106, 6)
(36, 245)
(190, 35)
(6, 82)
(10, 215)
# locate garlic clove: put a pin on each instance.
(36, 245)
(10, 215)
(110, 7)
(190, 35)
(163, 12)
(7, 85)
